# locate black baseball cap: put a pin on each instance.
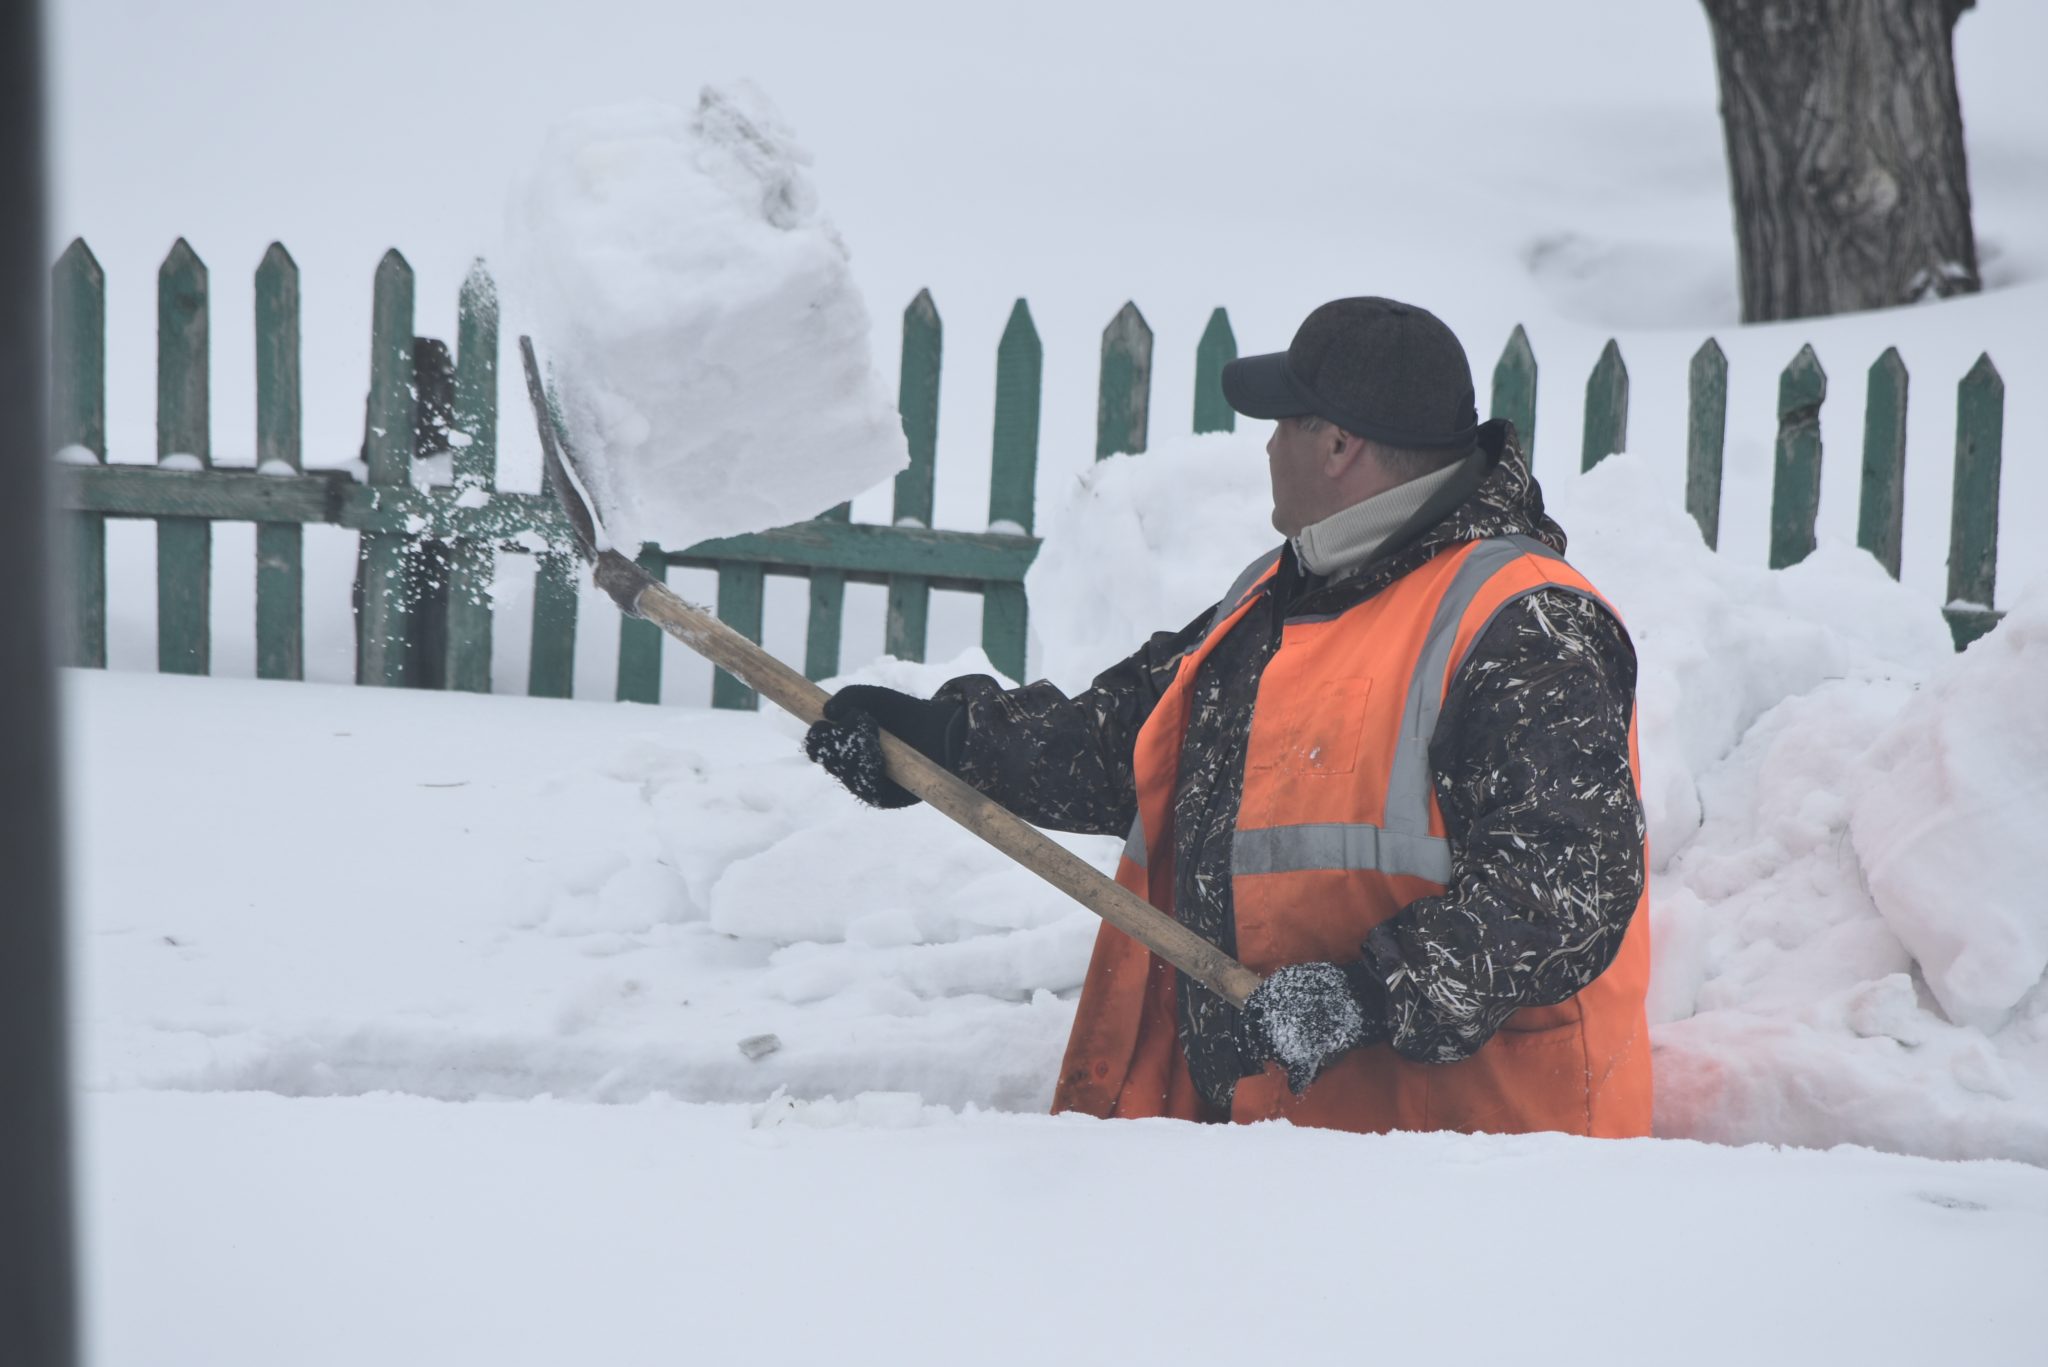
(1375, 367)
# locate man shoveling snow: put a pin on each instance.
(1392, 769)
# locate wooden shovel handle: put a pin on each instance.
(795, 694)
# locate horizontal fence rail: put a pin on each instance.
(432, 520)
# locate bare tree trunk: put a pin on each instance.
(1845, 150)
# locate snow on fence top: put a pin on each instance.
(433, 521)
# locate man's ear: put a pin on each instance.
(1345, 451)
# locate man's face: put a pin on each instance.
(1295, 458)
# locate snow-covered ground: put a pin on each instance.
(430, 1028)
(256, 1230)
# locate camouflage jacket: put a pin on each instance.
(1530, 762)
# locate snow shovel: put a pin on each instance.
(639, 594)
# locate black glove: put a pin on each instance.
(1305, 1015)
(848, 741)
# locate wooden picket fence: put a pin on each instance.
(1795, 489)
(428, 553)
(428, 550)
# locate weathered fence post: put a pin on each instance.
(473, 563)
(1217, 349)
(1795, 491)
(1606, 408)
(78, 423)
(383, 630)
(917, 401)
(1706, 429)
(640, 641)
(1514, 390)
(280, 546)
(1013, 481)
(184, 545)
(551, 656)
(828, 611)
(426, 557)
(739, 607)
(1973, 514)
(1881, 515)
(1124, 396)
(551, 667)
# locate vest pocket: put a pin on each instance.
(1318, 733)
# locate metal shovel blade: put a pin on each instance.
(568, 489)
(618, 576)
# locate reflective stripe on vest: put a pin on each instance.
(1403, 846)
(1339, 845)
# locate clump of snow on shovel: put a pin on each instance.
(699, 320)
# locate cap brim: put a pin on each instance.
(1263, 387)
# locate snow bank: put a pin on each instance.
(1138, 544)
(1720, 642)
(1949, 825)
(1854, 944)
(700, 321)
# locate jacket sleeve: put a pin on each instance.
(1531, 764)
(1059, 762)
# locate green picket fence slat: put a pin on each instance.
(1606, 408)
(384, 628)
(917, 403)
(827, 609)
(1881, 512)
(1795, 488)
(1013, 461)
(78, 422)
(1124, 393)
(551, 661)
(280, 546)
(472, 561)
(739, 607)
(640, 642)
(1706, 430)
(821, 630)
(1973, 515)
(1013, 480)
(1514, 390)
(908, 617)
(1217, 349)
(184, 546)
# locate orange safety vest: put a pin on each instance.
(1337, 831)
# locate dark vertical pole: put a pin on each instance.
(427, 560)
(37, 1323)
